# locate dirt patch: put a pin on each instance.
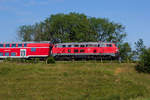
(118, 71)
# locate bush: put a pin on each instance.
(7, 59)
(37, 60)
(50, 60)
(34, 60)
(144, 62)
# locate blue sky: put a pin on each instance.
(133, 14)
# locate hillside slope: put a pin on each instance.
(73, 81)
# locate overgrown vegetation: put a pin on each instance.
(73, 80)
(50, 60)
(13, 60)
(144, 62)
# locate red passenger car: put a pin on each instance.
(85, 50)
(25, 49)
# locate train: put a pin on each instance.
(60, 51)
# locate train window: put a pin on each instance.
(1, 45)
(76, 45)
(25, 45)
(94, 45)
(63, 45)
(75, 50)
(7, 45)
(1, 54)
(109, 45)
(69, 45)
(19, 45)
(59, 46)
(33, 49)
(69, 50)
(101, 45)
(90, 45)
(82, 50)
(55, 46)
(82, 45)
(13, 54)
(7, 54)
(13, 45)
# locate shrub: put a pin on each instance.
(34, 60)
(50, 60)
(31, 60)
(144, 62)
(37, 60)
(7, 59)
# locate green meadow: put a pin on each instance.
(73, 81)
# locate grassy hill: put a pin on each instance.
(73, 81)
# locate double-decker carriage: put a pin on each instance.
(85, 50)
(25, 49)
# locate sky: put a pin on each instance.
(133, 14)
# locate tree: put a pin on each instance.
(125, 52)
(26, 33)
(144, 61)
(107, 31)
(73, 27)
(140, 47)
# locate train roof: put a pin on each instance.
(25, 42)
(72, 43)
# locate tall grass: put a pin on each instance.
(72, 81)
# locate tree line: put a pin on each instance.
(73, 27)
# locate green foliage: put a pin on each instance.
(13, 60)
(7, 59)
(25, 32)
(50, 60)
(37, 60)
(144, 62)
(125, 52)
(139, 48)
(73, 27)
(139, 45)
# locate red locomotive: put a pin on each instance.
(83, 50)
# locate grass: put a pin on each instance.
(73, 81)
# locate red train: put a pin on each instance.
(83, 50)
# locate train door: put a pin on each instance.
(23, 52)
